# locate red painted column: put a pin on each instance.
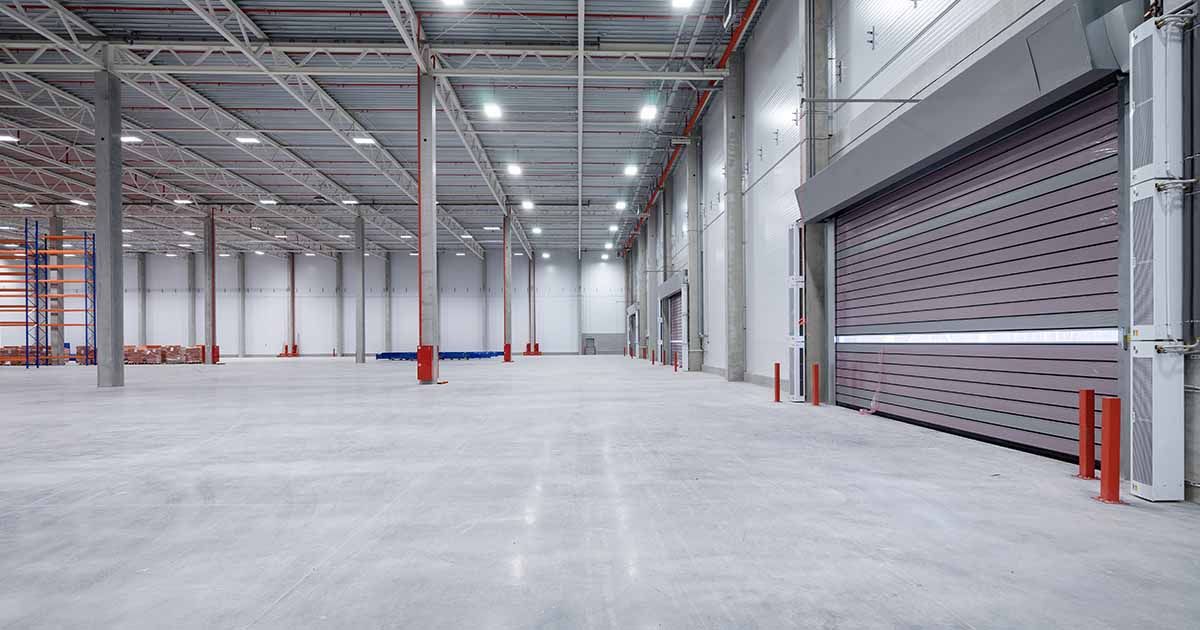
(1110, 451)
(1087, 434)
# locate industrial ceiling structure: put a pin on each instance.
(288, 118)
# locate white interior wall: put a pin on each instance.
(679, 211)
(917, 49)
(464, 305)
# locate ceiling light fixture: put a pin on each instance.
(343, 236)
(649, 112)
(126, 231)
(545, 254)
(223, 255)
(363, 140)
(467, 236)
(459, 254)
(491, 228)
(608, 246)
(309, 254)
(281, 236)
(413, 254)
(171, 255)
(349, 202)
(258, 252)
(681, 4)
(603, 256)
(493, 111)
(188, 233)
(184, 244)
(268, 202)
(80, 202)
(527, 205)
(631, 170)
(612, 228)
(514, 169)
(247, 140)
(22, 204)
(536, 230)
(182, 202)
(405, 236)
(621, 205)
(7, 137)
(126, 245)
(130, 139)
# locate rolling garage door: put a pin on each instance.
(981, 296)
(675, 327)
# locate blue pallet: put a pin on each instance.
(444, 356)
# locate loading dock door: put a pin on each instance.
(675, 328)
(982, 296)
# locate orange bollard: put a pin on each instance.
(653, 357)
(1110, 451)
(1087, 434)
(675, 360)
(816, 385)
(777, 399)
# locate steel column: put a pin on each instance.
(360, 301)
(241, 272)
(191, 297)
(508, 255)
(695, 282)
(210, 288)
(735, 235)
(110, 280)
(427, 232)
(142, 314)
(818, 237)
(387, 302)
(292, 346)
(339, 320)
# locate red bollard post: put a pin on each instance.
(1110, 451)
(816, 385)
(675, 361)
(1087, 434)
(777, 399)
(653, 357)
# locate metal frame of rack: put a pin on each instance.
(40, 292)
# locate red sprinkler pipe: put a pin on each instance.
(1110, 451)
(1087, 434)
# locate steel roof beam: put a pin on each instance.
(319, 103)
(405, 19)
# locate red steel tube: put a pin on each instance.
(1110, 451)
(777, 399)
(1087, 434)
(816, 385)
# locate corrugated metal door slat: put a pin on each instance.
(1019, 234)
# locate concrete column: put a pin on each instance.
(695, 305)
(483, 285)
(241, 273)
(191, 292)
(339, 320)
(579, 302)
(508, 256)
(818, 257)
(735, 213)
(143, 316)
(652, 279)
(56, 319)
(429, 338)
(533, 299)
(291, 310)
(210, 287)
(668, 210)
(110, 281)
(643, 332)
(387, 302)
(360, 301)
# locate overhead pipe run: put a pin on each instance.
(734, 41)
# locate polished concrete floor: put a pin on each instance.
(558, 492)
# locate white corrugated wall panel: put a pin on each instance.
(772, 101)
(917, 50)
(603, 294)
(167, 300)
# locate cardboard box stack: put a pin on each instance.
(172, 354)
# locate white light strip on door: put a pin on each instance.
(1081, 336)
